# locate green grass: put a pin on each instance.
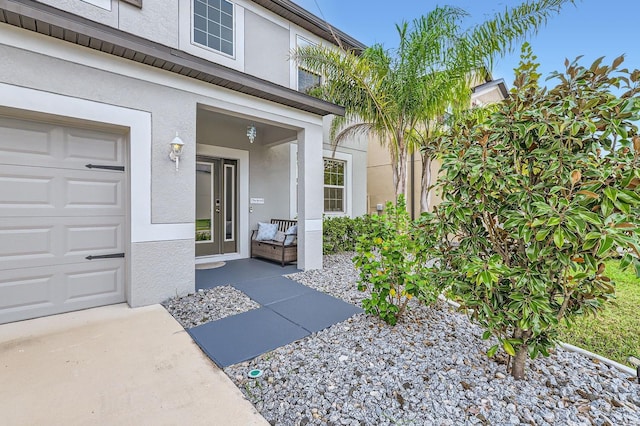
(615, 332)
(203, 224)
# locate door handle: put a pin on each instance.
(217, 210)
(105, 256)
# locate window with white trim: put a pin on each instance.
(213, 25)
(306, 79)
(334, 185)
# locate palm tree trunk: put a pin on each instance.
(425, 184)
(400, 173)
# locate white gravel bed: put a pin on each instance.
(338, 278)
(208, 305)
(429, 369)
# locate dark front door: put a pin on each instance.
(216, 206)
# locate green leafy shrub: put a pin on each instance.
(340, 233)
(392, 261)
(538, 196)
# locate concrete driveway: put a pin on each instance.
(113, 366)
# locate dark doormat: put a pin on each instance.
(272, 289)
(245, 336)
(314, 311)
(236, 271)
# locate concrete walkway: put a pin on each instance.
(113, 366)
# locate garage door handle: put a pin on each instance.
(98, 166)
(105, 256)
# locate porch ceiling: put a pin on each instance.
(267, 134)
(47, 20)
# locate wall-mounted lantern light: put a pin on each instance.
(252, 133)
(176, 150)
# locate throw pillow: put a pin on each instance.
(293, 230)
(291, 234)
(266, 231)
(280, 236)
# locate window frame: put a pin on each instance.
(234, 30)
(343, 187)
(348, 180)
(301, 42)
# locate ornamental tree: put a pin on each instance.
(391, 259)
(536, 197)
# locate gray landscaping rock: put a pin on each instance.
(430, 368)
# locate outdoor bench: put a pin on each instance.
(277, 243)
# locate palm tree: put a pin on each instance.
(398, 94)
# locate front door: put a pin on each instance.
(216, 206)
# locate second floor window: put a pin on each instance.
(213, 24)
(307, 80)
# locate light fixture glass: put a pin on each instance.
(176, 150)
(252, 133)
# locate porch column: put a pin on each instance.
(310, 197)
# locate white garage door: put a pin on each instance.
(62, 218)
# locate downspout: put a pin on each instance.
(412, 187)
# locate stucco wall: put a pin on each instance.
(88, 10)
(357, 147)
(266, 49)
(159, 276)
(157, 21)
(163, 266)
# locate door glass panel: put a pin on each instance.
(204, 186)
(229, 201)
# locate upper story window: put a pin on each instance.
(334, 186)
(213, 24)
(306, 78)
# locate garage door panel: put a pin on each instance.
(20, 292)
(55, 212)
(27, 242)
(94, 193)
(82, 146)
(20, 139)
(94, 284)
(34, 292)
(52, 145)
(94, 239)
(39, 191)
(24, 242)
(21, 191)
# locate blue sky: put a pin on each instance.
(592, 28)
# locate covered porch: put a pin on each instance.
(254, 166)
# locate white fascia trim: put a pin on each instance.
(186, 43)
(225, 100)
(139, 125)
(242, 157)
(348, 159)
